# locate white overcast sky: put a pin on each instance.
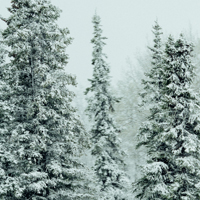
(126, 23)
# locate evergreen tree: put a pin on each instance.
(44, 138)
(153, 81)
(109, 158)
(5, 108)
(171, 133)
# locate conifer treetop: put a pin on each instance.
(101, 68)
(153, 82)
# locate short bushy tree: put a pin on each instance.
(109, 157)
(171, 133)
(44, 138)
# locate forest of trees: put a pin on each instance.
(137, 140)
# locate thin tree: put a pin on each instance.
(109, 157)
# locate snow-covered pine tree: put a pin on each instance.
(45, 136)
(5, 108)
(153, 81)
(171, 134)
(109, 157)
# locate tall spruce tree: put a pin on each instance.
(171, 133)
(44, 137)
(109, 158)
